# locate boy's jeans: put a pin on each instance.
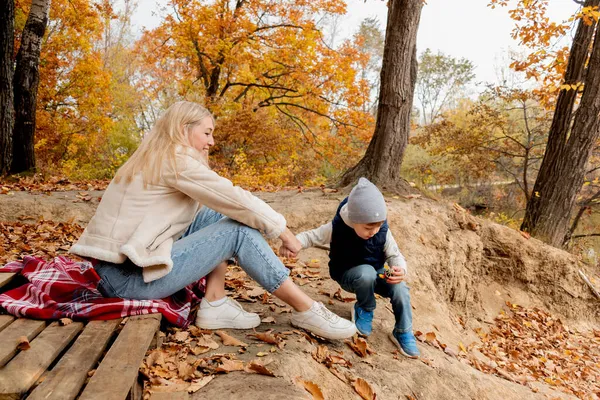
(363, 280)
(208, 241)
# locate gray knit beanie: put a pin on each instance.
(366, 203)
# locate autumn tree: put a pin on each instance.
(87, 104)
(499, 137)
(284, 99)
(383, 158)
(6, 88)
(570, 140)
(441, 79)
(26, 79)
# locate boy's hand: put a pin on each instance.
(397, 275)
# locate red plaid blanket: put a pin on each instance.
(65, 288)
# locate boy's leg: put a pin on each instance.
(400, 298)
(360, 280)
(402, 334)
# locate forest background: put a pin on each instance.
(296, 103)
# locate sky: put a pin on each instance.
(459, 28)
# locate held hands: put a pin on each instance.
(290, 246)
(396, 275)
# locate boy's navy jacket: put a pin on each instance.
(349, 250)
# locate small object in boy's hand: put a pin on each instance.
(387, 273)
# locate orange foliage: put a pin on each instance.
(289, 108)
(547, 62)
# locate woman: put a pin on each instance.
(160, 226)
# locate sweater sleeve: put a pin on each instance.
(393, 255)
(320, 236)
(199, 182)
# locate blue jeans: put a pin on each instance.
(208, 241)
(363, 280)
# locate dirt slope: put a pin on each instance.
(462, 272)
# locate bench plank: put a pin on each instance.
(119, 368)
(24, 370)
(5, 320)
(10, 336)
(6, 277)
(65, 380)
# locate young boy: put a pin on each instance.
(361, 244)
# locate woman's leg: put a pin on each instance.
(215, 283)
(200, 252)
(294, 296)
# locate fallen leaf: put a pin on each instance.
(185, 370)
(268, 320)
(261, 354)
(256, 291)
(65, 321)
(321, 353)
(230, 340)
(267, 337)
(526, 235)
(181, 336)
(156, 357)
(360, 346)
(195, 331)
(230, 365)
(23, 343)
(258, 368)
(430, 337)
(363, 388)
(313, 389)
(207, 341)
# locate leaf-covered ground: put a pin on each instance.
(522, 346)
(527, 348)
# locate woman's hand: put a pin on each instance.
(285, 252)
(290, 244)
(397, 275)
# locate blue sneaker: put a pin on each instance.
(406, 342)
(363, 320)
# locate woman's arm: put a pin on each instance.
(202, 184)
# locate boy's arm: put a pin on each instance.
(320, 236)
(393, 255)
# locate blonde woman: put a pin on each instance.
(167, 220)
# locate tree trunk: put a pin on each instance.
(6, 89)
(383, 158)
(562, 172)
(25, 86)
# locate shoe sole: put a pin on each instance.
(212, 324)
(393, 339)
(337, 336)
(352, 312)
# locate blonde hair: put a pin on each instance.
(171, 130)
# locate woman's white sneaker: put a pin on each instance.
(319, 320)
(228, 314)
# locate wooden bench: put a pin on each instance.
(61, 358)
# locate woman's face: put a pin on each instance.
(201, 135)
